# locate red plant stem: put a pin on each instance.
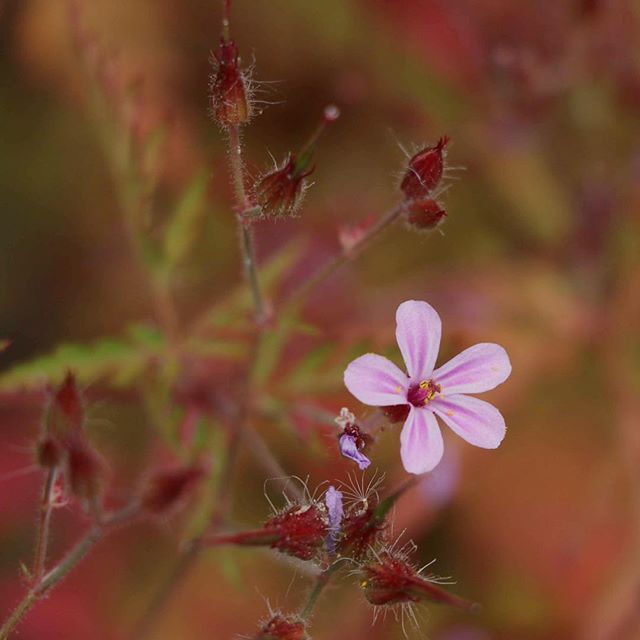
(243, 208)
(49, 580)
(335, 263)
(44, 522)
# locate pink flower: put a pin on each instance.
(426, 392)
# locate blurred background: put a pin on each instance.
(539, 253)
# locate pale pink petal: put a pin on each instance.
(421, 445)
(418, 334)
(376, 381)
(478, 368)
(477, 421)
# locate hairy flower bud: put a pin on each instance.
(68, 401)
(280, 192)
(280, 627)
(85, 469)
(49, 452)
(424, 214)
(361, 531)
(425, 170)
(392, 580)
(168, 488)
(230, 103)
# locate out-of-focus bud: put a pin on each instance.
(230, 103)
(85, 469)
(169, 488)
(425, 170)
(424, 214)
(68, 401)
(279, 193)
(280, 627)
(49, 453)
(392, 580)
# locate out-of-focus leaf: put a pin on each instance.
(182, 230)
(117, 360)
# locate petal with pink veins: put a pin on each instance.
(476, 421)
(418, 334)
(421, 445)
(477, 369)
(376, 381)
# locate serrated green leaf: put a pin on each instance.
(117, 360)
(183, 228)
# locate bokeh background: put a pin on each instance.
(539, 253)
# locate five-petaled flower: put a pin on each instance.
(426, 392)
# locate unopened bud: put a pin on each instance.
(168, 488)
(425, 170)
(230, 104)
(424, 214)
(85, 469)
(280, 627)
(361, 532)
(49, 453)
(68, 401)
(392, 580)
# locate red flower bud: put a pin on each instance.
(392, 579)
(424, 214)
(280, 192)
(299, 531)
(425, 170)
(230, 104)
(168, 488)
(85, 469)
(49, 453)
(361, 532)
(281, 627)
(68, 401)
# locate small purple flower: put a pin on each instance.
(335, 511)
(352, 441)
(376, 381)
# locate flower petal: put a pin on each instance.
(478, 368)
(349, 449)
(418, 335)
(376, 381)
(421, 445)
(477, 421)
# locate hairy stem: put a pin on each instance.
(321, 582)
(49, 580)
(44, 522)
(335, 263)
(243, 208)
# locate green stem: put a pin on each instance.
(335, 263)
(44, 522)
(243, 208)
(321, 582)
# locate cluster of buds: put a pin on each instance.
(392, 579)
(168, 489)
(64, 445)
(421, 185)
(281, 627)
(280, 192)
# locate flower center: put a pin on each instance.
(421, 394)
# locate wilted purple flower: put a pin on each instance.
(376, 381)
(352, 441)
(335, 511)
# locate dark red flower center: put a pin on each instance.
(421, 394)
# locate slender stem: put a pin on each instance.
(243, 207)
(335, 263)
(64, 567)
(44, 522)
(321, 582)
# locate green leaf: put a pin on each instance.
(117, 360)
(182, 230)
